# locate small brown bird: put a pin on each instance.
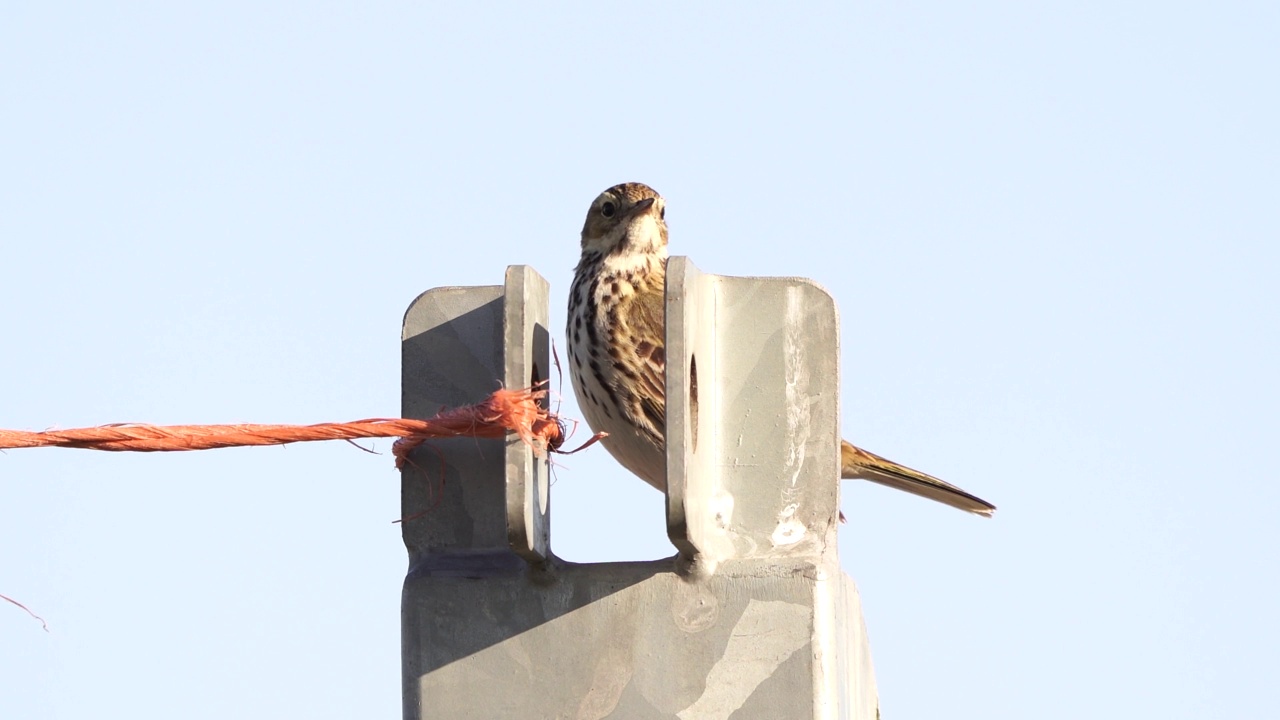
(617, 358)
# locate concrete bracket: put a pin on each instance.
(752, 417)
(474, 498)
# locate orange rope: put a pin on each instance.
(504, 411)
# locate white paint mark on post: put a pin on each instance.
(795, 370)
(789, 530)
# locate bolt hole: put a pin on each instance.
(693, 401)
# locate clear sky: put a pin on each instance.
(1051, 232)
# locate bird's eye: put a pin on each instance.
(662, 214)
(608, 209)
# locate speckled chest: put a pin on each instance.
(603, 364)
(600, 331)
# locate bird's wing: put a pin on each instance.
(858, 463)
(648, 320)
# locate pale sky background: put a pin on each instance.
(1051, 232)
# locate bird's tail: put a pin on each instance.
(858, 463)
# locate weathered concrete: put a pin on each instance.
(753, 617)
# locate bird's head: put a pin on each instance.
(626, 219)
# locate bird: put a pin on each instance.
(617, 355)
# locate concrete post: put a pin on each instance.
(751, 619)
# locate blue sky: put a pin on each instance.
(1050, 230)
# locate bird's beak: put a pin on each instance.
(641, 207)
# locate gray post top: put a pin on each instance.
(752, 618)
(752, 412)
